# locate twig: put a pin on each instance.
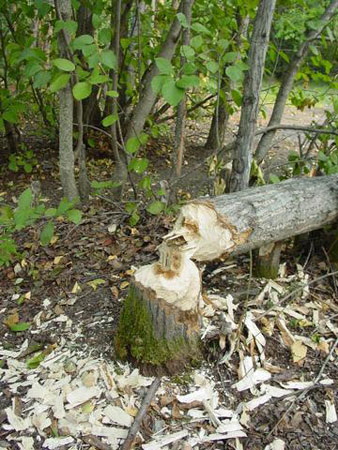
(303, 394)
(142, 411)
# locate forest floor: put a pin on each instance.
(61, 386)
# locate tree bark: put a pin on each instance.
(242, 221)
(148, 97)
(182, 110)
(252, 85)
(265, 142)
(159, 325)
(66, 153)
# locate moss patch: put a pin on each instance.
(136, 339)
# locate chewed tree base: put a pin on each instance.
(157, 337)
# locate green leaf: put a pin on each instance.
(74, 215)
(171, 93)
(82, 90)
(132, 145)
(237, 97)
(223, 44)
(34, 362)
(25, 199)
(11, 116)
(64, 206)
(189, 68)
(212, 66)
(196, 41)
(138, 165)
(104, 36)
(108, 58)
(21, 326)
(113, 94)
(156, 207)
(188, 81)
(47, 233)
(182, 20)
(97, 78)
(158, 81)
(164, 66)
(69, 25)
(234, 73)
(59, 82)
(230, 57)
(50, 212)
(199, 28)
(134, 218)
(41, 79)
(187, 51)
(109, 120)
(81, 41)
(63, 64)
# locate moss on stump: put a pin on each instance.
(155, 336)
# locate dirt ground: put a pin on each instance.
(71, 293)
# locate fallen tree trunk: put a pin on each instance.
(242, 221)
(159, 325)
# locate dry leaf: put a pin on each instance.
(12, 319)
(298, 351)
(58, 259)
(124, 284)
(76, 288)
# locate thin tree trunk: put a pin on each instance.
(265, 142)
(252, 85)
(221, 114)
(148, 97)
(66, 153)
(182, 110)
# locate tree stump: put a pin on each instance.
(159, 325)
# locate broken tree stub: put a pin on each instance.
(159, 325)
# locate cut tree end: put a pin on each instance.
(205, 231)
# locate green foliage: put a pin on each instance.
(24, 159)
(27, 213)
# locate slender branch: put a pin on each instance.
(297, 128)
(142, 411)
(197, 105)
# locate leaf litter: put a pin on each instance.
(261, 365)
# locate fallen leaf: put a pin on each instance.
(298, 351)
(11, 319)
(124, 284)
(58, 259)
(76, 288)
(95, 283)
